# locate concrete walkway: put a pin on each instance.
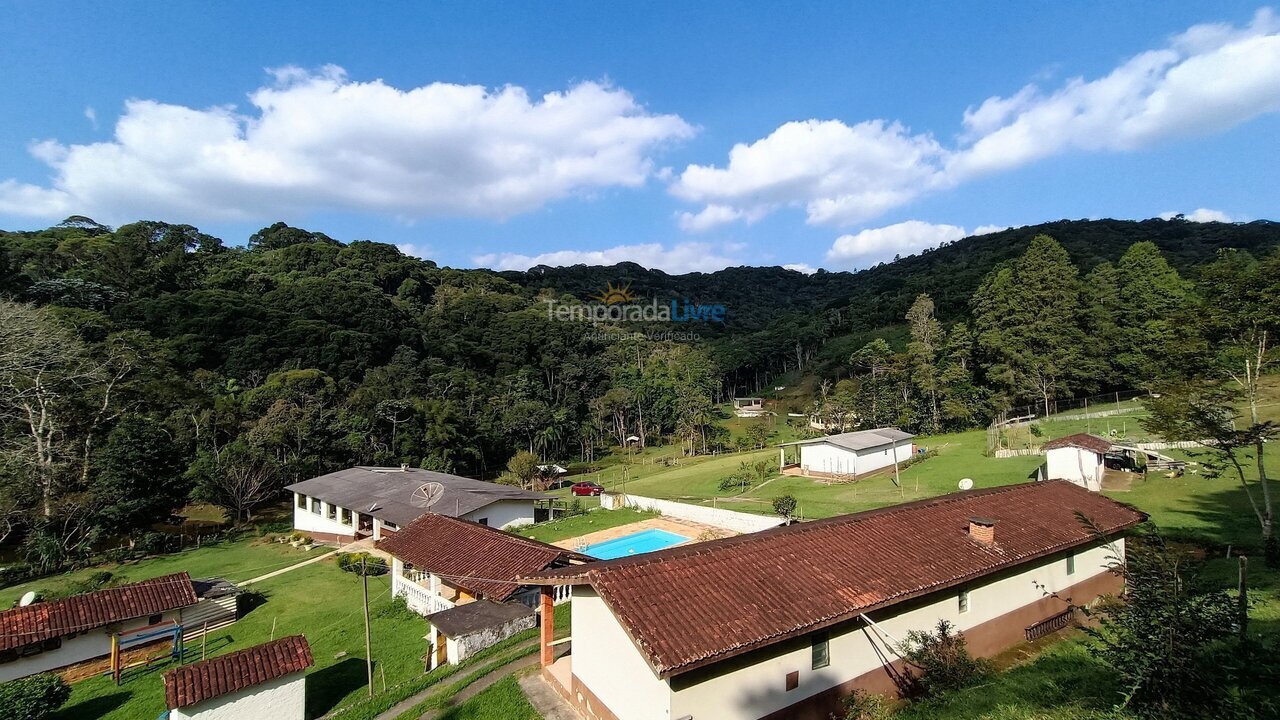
(544, 698)
(282, 571)
(496, 673)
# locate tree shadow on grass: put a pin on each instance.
(93, 707)
(327, 687)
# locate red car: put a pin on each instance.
(586, 488)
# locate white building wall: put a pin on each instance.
(759, 689)
(89, 646)
(606, 661)
(504, 513)
(307, 521)
(1080, 466)
(718, 517)
(823, 457)
(284, 698)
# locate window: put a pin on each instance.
(793, 680)
(390, 525)
(964, 601)
(154, 619)
(483, 521)
(333, 512)
(1071, 564)
(820, 649)
(302, 501)
(344, 516)
(315, 505)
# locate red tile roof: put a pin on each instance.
(56, 618)
(696, 604)
(197, 682)
(1081, 440)
(474, 556)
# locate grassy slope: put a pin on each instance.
(234, 560)
(504, 699)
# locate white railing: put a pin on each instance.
(418, 598)
(561, 594)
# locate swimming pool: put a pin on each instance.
(634, 544)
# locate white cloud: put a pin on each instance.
(91, 115)
(838, 173)
(680, 258)
(988, 229)
(801, 268)
(1206, 80)
(1200, 215)
(877, 244)
(320, 141)
(417, 250)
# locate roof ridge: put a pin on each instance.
(803, 527)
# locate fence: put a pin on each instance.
(1020, 452)
(718, 517)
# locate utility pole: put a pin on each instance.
(368, 651)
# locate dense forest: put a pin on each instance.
(150, 364)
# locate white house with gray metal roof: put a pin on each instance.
(360, 502)
(847, 454)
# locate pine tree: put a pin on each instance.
(1150, 294)
(922, 352)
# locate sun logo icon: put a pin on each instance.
(615, 295)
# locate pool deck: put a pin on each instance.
(686, 528)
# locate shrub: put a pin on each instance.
(785, 506)
(862, 705)
(14, 574)
(362, 563)
(100, 578)
(575, 507)
(33, 698)
(939, 662)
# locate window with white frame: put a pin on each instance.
(315, 505)
(302, 501)
(1071, 564)
(964, 601)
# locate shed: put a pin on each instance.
(467, 629)
(264, 681)
(848, 454)
(1079, 458)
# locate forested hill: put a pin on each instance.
(879, 296)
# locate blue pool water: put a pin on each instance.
(634, 544)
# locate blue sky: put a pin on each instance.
(479, 134)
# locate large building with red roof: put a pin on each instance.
(783, 623)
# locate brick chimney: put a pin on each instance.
(982, 530)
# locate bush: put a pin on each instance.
(33, 698)
(575, 507)
(785, 506)
(939, 662)
(362, 563)
(862, 705)
(100, 578)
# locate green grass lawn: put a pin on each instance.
(235, 560)
(504, 699)
(576, 525)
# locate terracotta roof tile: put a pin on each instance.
(695, 604)
(1081, 440)
(56, 618)
(475, 556)
(200, 681)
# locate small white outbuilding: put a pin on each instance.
(265, 681)
(1079, 458)
(849, 454)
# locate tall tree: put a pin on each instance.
(923, 351)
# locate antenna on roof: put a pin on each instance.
(427, 494)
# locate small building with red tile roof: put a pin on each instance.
(1079, 458)
(53, 635)
(264, 681)
(441, 564)
(785, 622)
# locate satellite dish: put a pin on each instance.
(427, 494)
(27, 599)
(966, 484)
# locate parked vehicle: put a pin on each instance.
(586, 488)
